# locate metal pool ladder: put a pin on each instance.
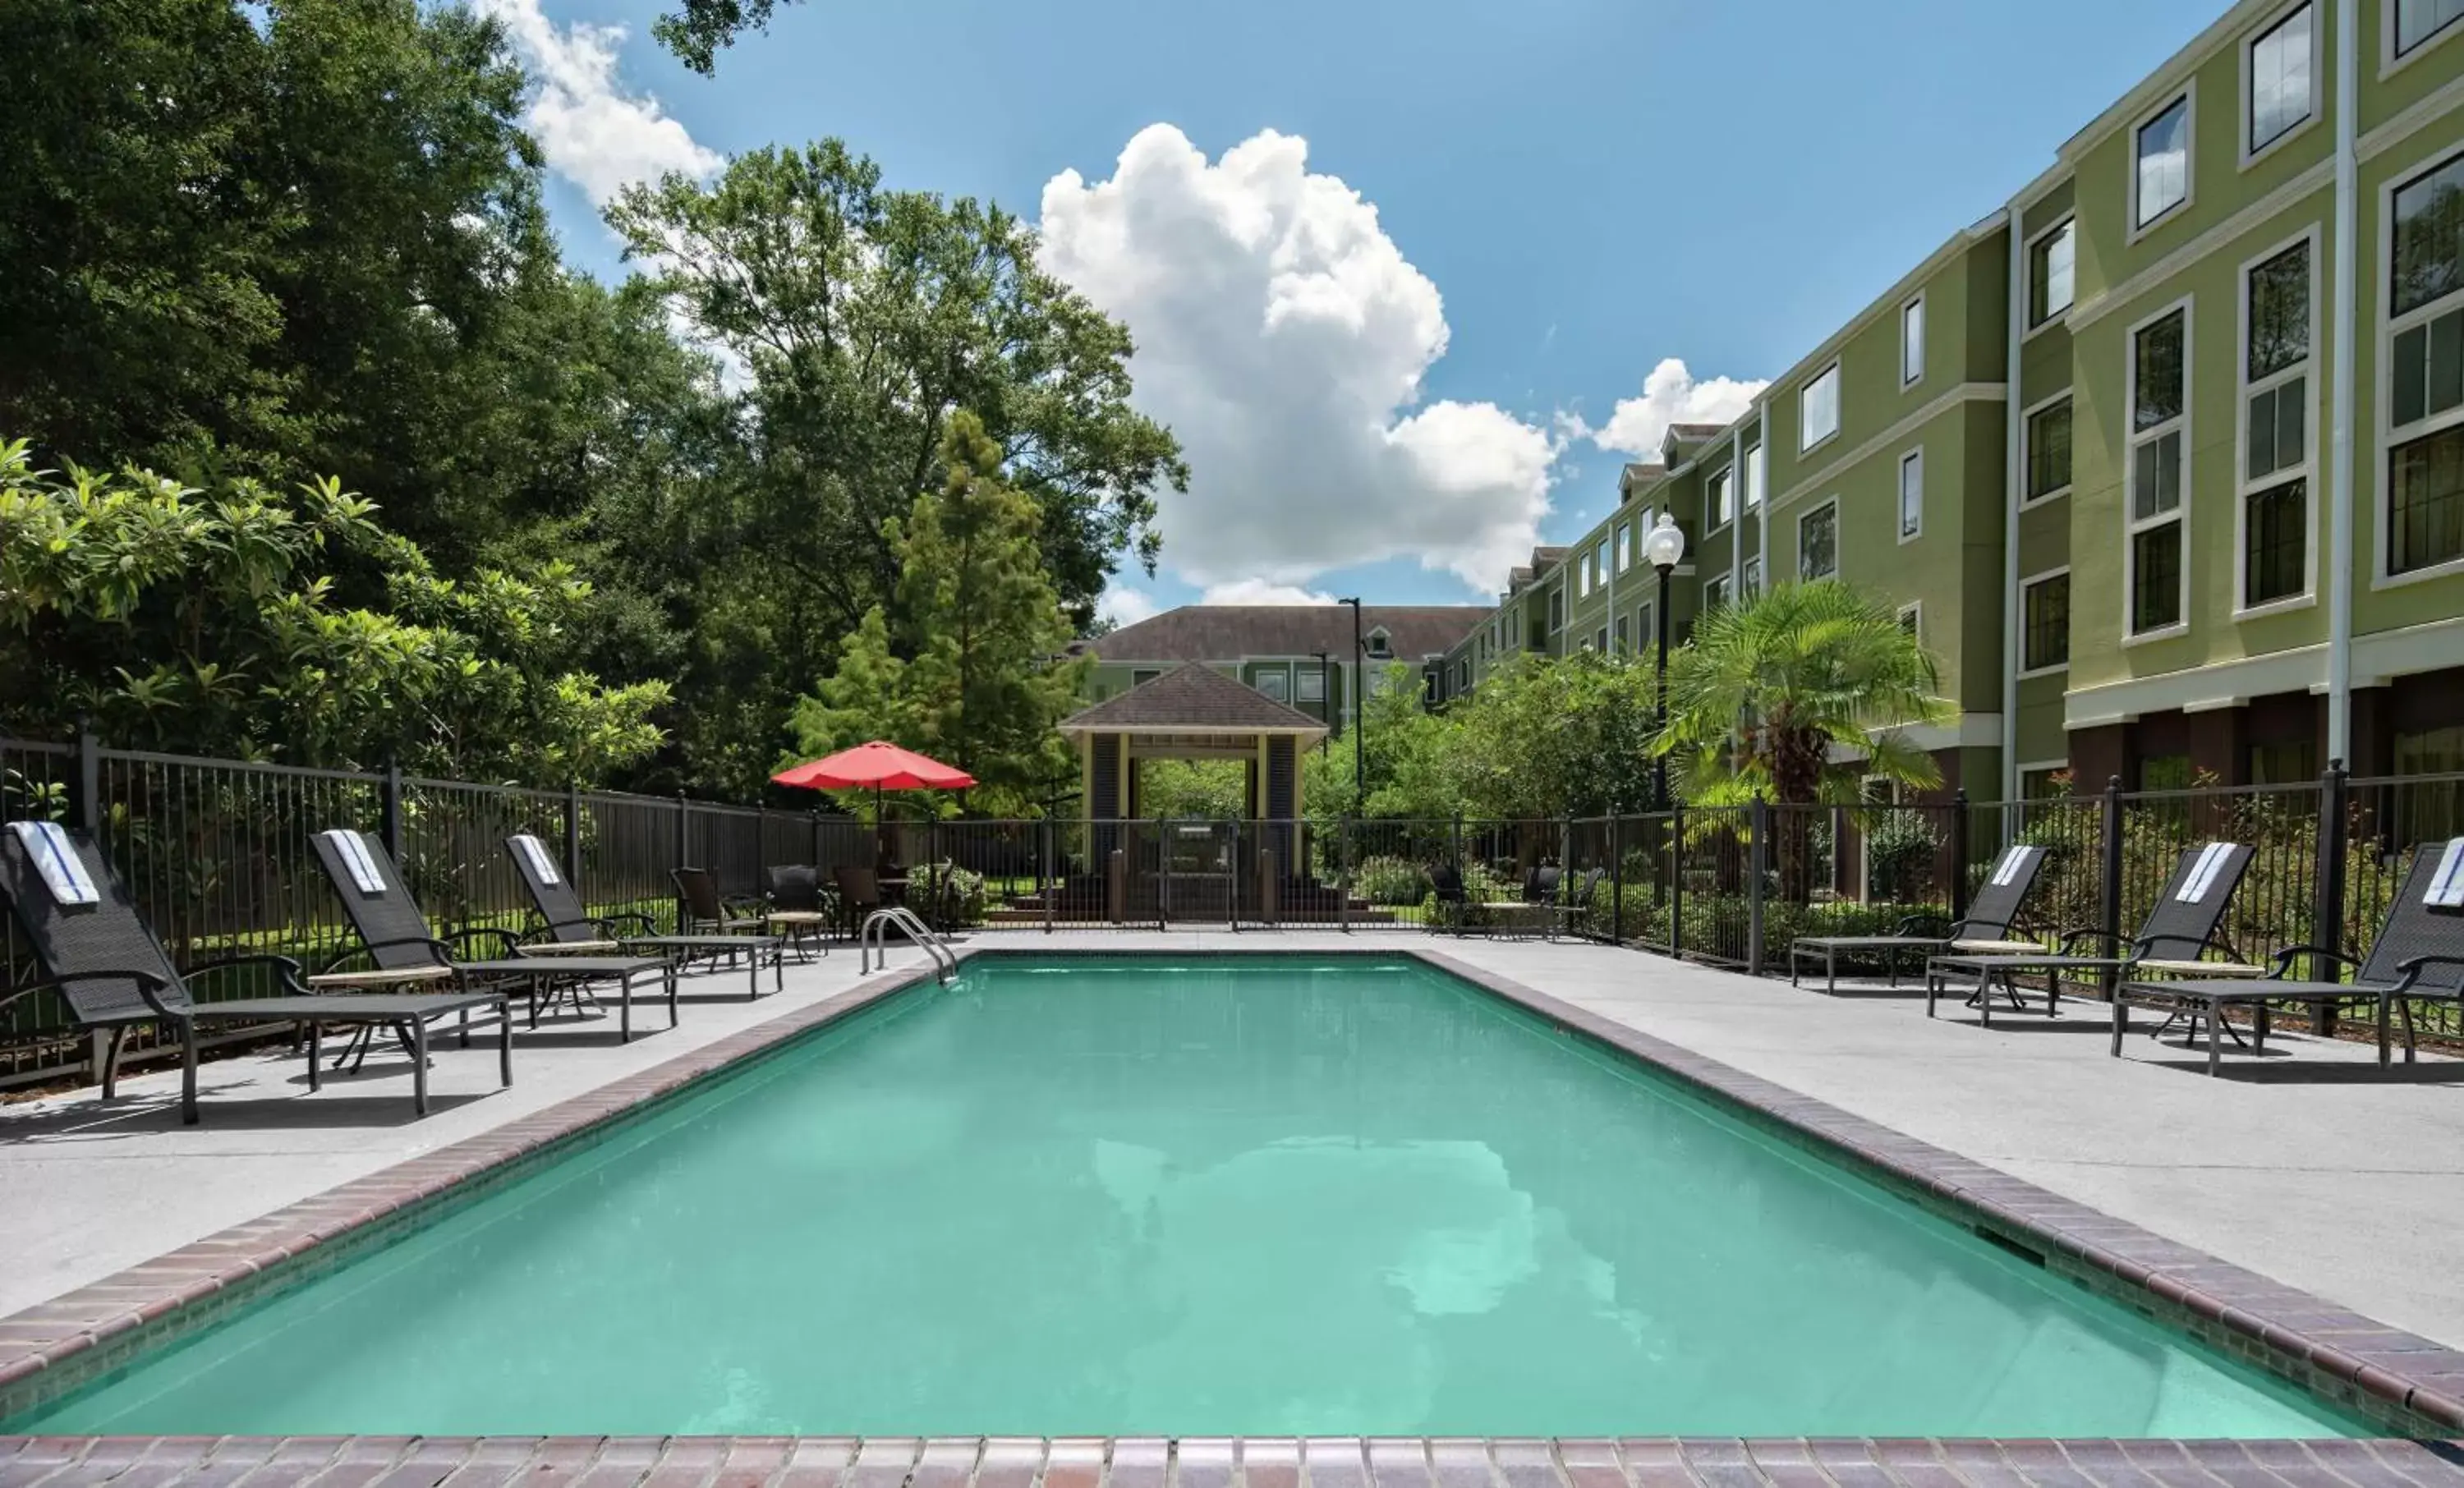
(875, 940)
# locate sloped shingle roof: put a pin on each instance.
(1228, 632)
(1190, 698)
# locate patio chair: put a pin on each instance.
(859, 895)
(1451, 902)
(2417, 957)
(706, 912)
(572, 930)
(395, 937)
(1578, 908)
(797, 908)
(2178, 931)
(97, 952)
(1985, 926)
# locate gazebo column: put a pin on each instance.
(1107, 792)
(1282, 805)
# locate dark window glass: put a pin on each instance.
(2289, 762)
(2157, 349)
(2156, 577)
(2051, 274)
(2275, 542)
(2048, 450)
(2277, 427)
(2048, 623)
(2165, 773)
(2416, 21)
(2280, 312)
(2428, 241)
(2425, 500)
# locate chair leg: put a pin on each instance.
(2382, 1030)
(624, 1008)
(2120, 1021)
(316, 1050)
(668, 971)
(2215, 1037)
(188, 1072)
(111, 1060)
(504, 1047)
(419, 1067)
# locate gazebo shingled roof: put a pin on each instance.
(1192, 698)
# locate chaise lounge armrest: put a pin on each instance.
(148, 985)
(2413, 967)
(2111, 941)
(286, 968)
(2283, 959)
(442, 951)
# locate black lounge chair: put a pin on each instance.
(2179, 931)
(798, 910)
(1452, 903)
(572, 930)
(859, 895)
(1576, 906)
(2417, 957)
(395, 937)
(114, 974)
(1985, 926)
(706, 912)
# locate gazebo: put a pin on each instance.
(1194, 711)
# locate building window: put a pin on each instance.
(2049, 276)
(1715, 591)
(1600, 559)
(1378, 644)
(2416, 21)
(2429, 810)
(2045, 619)
(2165, 773)
(1752, 576)
(1912, 327)
(1313, 684)
(2044, 782)
(2276, 367)
(1556, 609)
(2279, 79)
(1753, 476)
(2426, 490)
(1912, 620)
(1722, 505)
(1912, 495)
(2159, 375)
(1625, 642)
(1600, 640)
(2291, 762)
(1139, 679)
(1582, 573)
(1624, 547)
(2275, 543)
(2162, 181)
(2428, 269)
(2048, 450)
(1817, 542)
(1818, 409)
(1276, 685)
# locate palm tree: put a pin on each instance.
(1761, 693)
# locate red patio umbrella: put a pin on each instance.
(880, 765)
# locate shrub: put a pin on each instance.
(1391, 881)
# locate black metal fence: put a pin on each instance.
(217, 854)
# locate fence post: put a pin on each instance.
(1454, 842)
(1050, 886)
(1343, 873)
(392, 810)
(683, 838)
(2327, 914)
(1616, 880)
(573, 833)
(1677, 880)
(89, 767)
(2109, 909)
(1232, 883)
(1163, 872)
(1758, 853)
(1958, 854)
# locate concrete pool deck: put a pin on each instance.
(2315, 1169)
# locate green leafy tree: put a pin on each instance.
(181, 621)
(966, 670)
(1762, 692)
(697, 30)
(1216, 790)
(1553, 738)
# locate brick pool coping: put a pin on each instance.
(2413, 1384)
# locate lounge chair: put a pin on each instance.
(1452, 903)
(2179, 931)
(572, 930)
(1577, 907)
(706, 912)
(1985, 926)
(395, 937)
(2417, 957)
(97, 954)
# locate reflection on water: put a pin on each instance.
(1259, 1196)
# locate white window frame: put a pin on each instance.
(1900, 497)
(2189, 98)
(1380, 643)
(2388, 60)
(2306, 472)
(1600, 562)
(1599, 641)
(1757, 470)
(1722, 485)
(1804, 402)
(2028, 285)
(1914, 610)
(1830, 504)
(2389, 328)
(1715, 594)
(2252, 154)
(1916, 305)
(2061, 571)
(1583, 573)
(1557, 607)
(2132, 525)
(2026, 452)
(1312, 674)
(2029, 767)
(1750, 579)
(1282, 674)
(1624, 546)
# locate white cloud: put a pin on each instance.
(1125, 607)
(1257, 591)
(1671, 395)
(594, 132)
(1283, 337)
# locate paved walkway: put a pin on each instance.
(2310, 1166)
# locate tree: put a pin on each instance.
(1557, 738)
(701, 29)
(977, 613)
(1215, 790)
(178, 621)
(1762, 692)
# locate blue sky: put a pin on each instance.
(1588, 188)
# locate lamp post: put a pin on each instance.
(1360, 709)
(1663, 549)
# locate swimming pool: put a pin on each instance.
(1220, 1195)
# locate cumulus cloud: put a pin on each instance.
(1257, 591)
(1125, 607)
(594, 132)
(1283, 337)
(1671, 395)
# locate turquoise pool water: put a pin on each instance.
(1221, 1196)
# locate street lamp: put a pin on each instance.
(1360, 708)
(1663, 549)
